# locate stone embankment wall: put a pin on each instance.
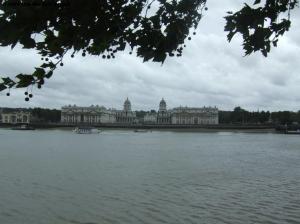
(149, 126)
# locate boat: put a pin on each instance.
(86, 130)
(139, 130)
(23, 127)
(297, 132)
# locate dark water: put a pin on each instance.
(57, 177)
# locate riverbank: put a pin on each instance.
(178, 128)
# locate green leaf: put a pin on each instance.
(230, 36)
(50, 65)
(264, 52)
(24, 80)
(2, 87)
(28, 42)
(39, 73)
(160, 57)
(8, 82)
(49, 74)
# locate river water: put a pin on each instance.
(116, 177)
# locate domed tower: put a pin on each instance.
(162, 105)
(127, 105)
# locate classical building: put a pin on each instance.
(183, 115)
(88, 115)
(15, 116)
(163, 116)
(97, 114)
(126, 115)
(177, 116)
(195, 116)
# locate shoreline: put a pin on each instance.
(175, 128)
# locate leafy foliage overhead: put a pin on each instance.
(154, 29)
(260, 25)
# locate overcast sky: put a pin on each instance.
(211, 72)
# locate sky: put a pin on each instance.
(211, 72)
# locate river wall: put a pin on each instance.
(150, 126)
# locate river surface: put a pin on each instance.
(116, 177)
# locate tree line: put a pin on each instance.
(242, 116)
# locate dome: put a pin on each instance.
(162, 105)
(127, 105)
(162, 102)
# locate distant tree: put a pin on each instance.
(140, 114)
(295, 116)
(45, 115)
(154, 29)
(264, 117)
(225, 117)
(282, 117)
(238, 115)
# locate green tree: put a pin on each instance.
(225, 117)
(238, 115)
(140, 114)
(46, 115)
(282, 117)
(154, 29)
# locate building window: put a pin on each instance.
(195, 120)
(25, 120)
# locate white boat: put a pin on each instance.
(293, 132)
(23, 127)
(86, 130)
(140, 130)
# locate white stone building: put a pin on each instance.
(177, 116)
(15, 117)
(163, 116)
(183, 115)
(97, 114)
(150, 118)
(195, 116)
(87, 115)
(126, 115)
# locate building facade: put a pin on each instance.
(87, 115)
(97, 114)
(126, 116)
(183, 115)
(163, 116)
(15, 117)
(177, 116)
(150, 118)
(195, 116)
